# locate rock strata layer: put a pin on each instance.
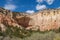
(44, 20)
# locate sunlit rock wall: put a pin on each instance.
(45, 20)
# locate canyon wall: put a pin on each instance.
(43, 20)
(46, 20)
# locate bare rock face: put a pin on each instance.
(43, 20)
(23, 21)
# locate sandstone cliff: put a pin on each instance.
(42, 20)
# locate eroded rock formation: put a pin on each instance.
(43, 20)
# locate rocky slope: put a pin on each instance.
(43, 20)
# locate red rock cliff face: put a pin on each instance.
(23, 21)
(43, 20)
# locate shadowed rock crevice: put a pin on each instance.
(23, 21)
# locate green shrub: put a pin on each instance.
(17, 32)
(30, 34)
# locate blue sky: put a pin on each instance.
(29, 6)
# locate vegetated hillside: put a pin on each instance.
(44, 20)
(42, 25)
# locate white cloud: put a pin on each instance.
(49, 1)
(58, 8)
(40, 7)
(10, 6)
(39, 1)
(29, 11)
